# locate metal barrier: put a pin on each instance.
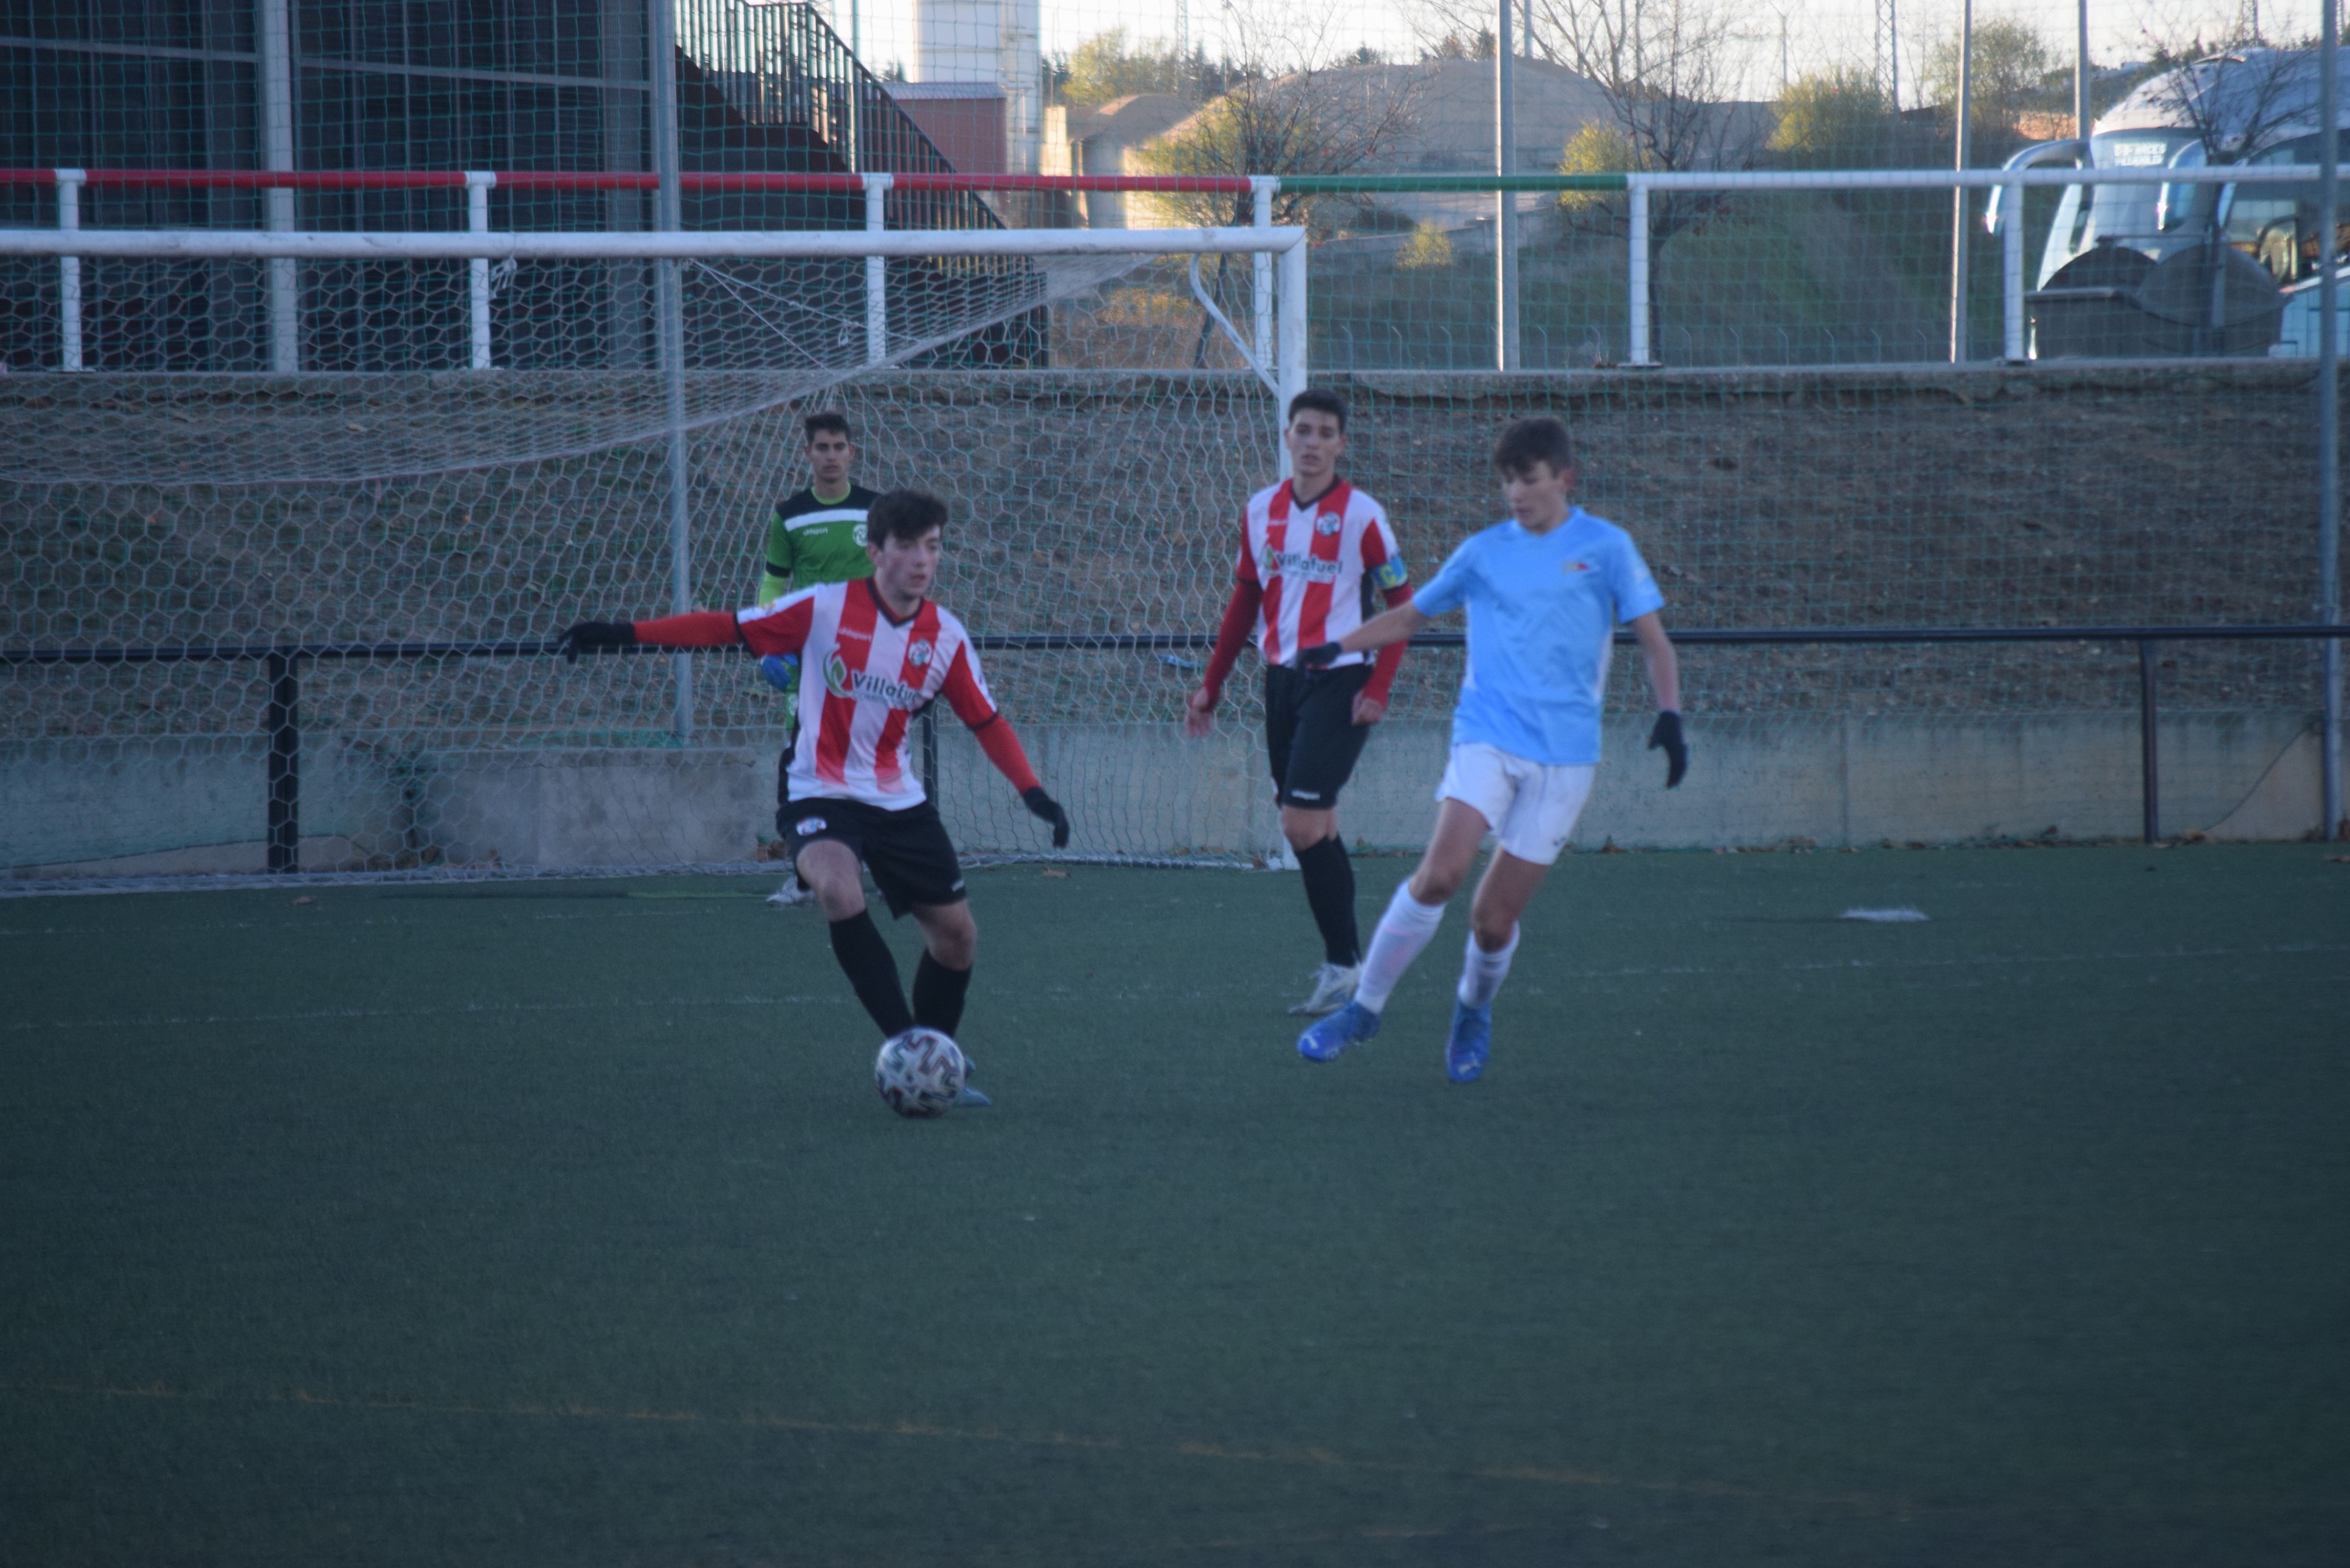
(282, 718)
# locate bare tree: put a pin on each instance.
(1666, 69)
(1290, 113)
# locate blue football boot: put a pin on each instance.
(1327, 1037)
(1466, 1046)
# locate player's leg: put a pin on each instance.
(1411, 920)
(1532, 834)
(914, 864)
(1324, 744)
(826, 858)
(795, 890)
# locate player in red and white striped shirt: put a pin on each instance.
(873, 652)
(1312, 550)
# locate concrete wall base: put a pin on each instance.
(169, 807)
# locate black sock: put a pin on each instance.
(938, 994)
(872, 969)
(1330, 893)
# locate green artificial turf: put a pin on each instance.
(559, 1223)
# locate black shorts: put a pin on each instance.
(907, 851)
(1310, 732)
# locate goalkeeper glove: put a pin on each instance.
(1043, 806)
(594, 636)
(782, 671)
(1666, 736)
(1321, 656)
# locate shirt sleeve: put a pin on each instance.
(1628, 578)
(1382, 557)
(775, 581)
(965, 690)
(1449, 588)
(782, 626)
(1244, 563)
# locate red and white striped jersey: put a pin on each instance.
(863, 677)
(1317, 566)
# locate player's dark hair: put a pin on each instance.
(903, 515)
(1541, 439)
(831, 420)
(1321, 402)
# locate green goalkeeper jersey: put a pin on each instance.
(811, 541)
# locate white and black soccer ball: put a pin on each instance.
(919, 1072)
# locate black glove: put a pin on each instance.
(1667, 735)
(1321, 656)
(594, 637)
(1039, 804)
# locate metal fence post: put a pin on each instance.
(2149, 751)
(477, 219)
(670, 302)
(281, 721)
(1637, 287)
(276, 63)
(2329, 421)
(1506, 343)
(930, 735)
(876, 272)
(1261, 193)
(69, 184)
(2011, 267)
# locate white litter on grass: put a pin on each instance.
(1883, 916)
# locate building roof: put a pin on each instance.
(1135, 117)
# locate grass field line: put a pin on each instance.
(1635, 971)
(1308, 1456)
(345, 1014)
(319, 921)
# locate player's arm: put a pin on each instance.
(1665, 684)
(1371, 702)
(1239, 619)
(1398, 624)
(776, 578)
(966, 694)
(760, 630)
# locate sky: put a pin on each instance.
(1816, 33)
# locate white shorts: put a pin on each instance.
(1529, 806)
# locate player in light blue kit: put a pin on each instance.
(1544, 593)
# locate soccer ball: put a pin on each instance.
(919, 1072)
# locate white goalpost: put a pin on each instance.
(318, 600)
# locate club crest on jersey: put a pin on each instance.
(1327, 524)
(858, 533)
(1570, 567)
(808, 826)
(919, 656)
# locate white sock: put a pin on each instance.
(1403, 930)
(1482, 974)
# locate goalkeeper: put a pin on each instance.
(873, 654)
(1544, 591)
(816, 536)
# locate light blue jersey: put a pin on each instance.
(1543, 612)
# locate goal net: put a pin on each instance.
(298, 621)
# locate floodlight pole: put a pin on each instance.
(2329, 406)
(1959, 194)
(1505, 209)
(2080, 77)
(670, 306)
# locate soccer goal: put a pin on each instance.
(305, 507)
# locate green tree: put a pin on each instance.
(2007, 71)
(1835, 118)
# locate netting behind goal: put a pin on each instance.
(364, 508)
